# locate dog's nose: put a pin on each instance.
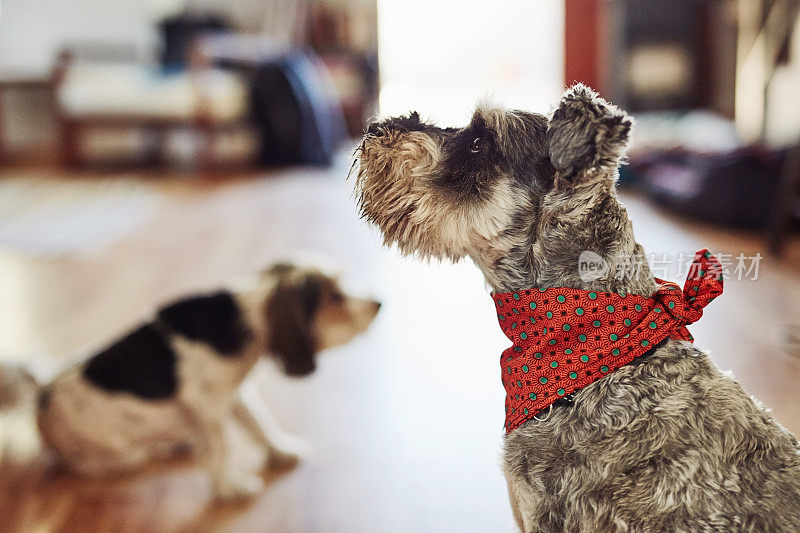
(375, 129)
(377, 305)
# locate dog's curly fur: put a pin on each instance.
(667, 443)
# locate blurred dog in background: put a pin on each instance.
(173, 383)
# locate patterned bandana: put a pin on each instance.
(564, 339)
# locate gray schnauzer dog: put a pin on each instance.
(665, 443)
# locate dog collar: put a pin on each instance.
(564, 339)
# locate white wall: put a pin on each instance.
(32, 31)
(783, 102)
(441, 57)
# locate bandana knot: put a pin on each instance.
(564, 339)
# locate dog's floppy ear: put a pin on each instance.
(290, 312)
(586, 132)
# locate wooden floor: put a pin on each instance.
(405, 422)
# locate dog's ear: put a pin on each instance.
(586, 132)
(290, 313)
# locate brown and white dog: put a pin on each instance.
(174, 382)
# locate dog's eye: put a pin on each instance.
(477, 145)
(337, 297)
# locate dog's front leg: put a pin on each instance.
(252, 412)
(229, 483)
(216, 452)
(514, 500)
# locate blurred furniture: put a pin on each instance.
(22, 82)
(664, 55)
(114, 94)
(737, 188)
(344, 35)
(787, 204)
(764, 32)
(696, 164)
(723, 56)
(293, 104)
(676, 54)
(645, 55)
(180, 32)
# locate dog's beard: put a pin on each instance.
(396, 191)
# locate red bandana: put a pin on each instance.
(564, 339)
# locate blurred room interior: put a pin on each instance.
(151, 148)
